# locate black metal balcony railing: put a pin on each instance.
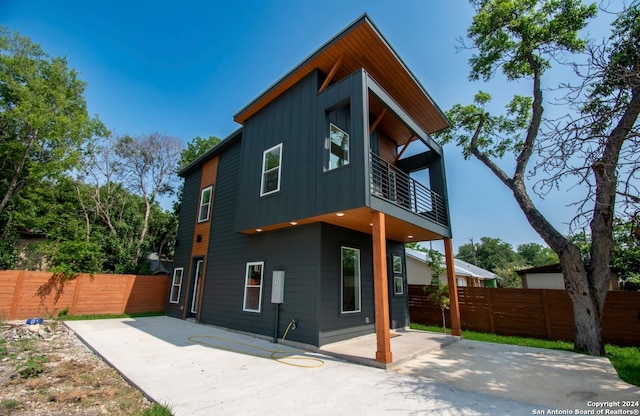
(395, 186)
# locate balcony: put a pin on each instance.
(395, 186)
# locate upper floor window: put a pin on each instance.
(271, 163)
(205, 204)
(338, 147)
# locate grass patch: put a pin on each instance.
(109, 316)
(158, 410)
(9, 404)
(626, 360)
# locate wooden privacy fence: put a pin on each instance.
(535, 313)
(27, 294)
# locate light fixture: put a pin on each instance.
(259, 230)
(409, 236)
(340, 214)
(293, 223)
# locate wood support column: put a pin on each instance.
(456, 328)
(381, 289)
(377, 120)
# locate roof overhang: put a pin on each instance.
(361, 45)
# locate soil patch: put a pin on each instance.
(46, 370)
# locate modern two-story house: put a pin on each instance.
(302, 213)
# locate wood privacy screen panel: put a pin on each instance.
(27, 294)
(536, 313)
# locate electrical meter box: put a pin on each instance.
(277, 287)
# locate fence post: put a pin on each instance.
(487, 293)
(547, 322)
(127, 293)
(17, 292)
(76, 293)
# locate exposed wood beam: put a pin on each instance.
(456, 329)
(381, 289)
(332, 73)
(412, 138)
(377, 120)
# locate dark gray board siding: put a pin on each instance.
(294, 250)
(299, 119)
(290, 120)
(334, 325)
(398, 306)
(184, 238)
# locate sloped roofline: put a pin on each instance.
(345, 43)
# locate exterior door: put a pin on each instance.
(198, 270)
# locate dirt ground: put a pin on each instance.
(46, 370)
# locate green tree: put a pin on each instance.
(626, 247)
(489, 253)
(521, 39)
(43, 117)
(197, 147)
(437, 292)
(536, 255)
(626, 251)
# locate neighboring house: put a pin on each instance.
(29, 257)
(467, 274)
(304, 209)
(550, 277)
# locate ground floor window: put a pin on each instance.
(253, 287)
(350, 277)
(176, 285)
(398, 281)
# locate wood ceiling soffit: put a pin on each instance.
(332, 73)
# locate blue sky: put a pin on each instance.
(184, 69)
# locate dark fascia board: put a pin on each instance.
(363, 19)
(224, 143)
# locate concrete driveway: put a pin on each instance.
(202, 370)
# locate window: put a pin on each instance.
(271, 160)
(398, 283)
(338, 147)
(350, 280)
(176, 285)
(253, 287)
(205, 204)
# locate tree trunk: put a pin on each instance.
(581, 287)
(143, 231)
(587, 310)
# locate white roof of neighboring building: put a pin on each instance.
(462, 267)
